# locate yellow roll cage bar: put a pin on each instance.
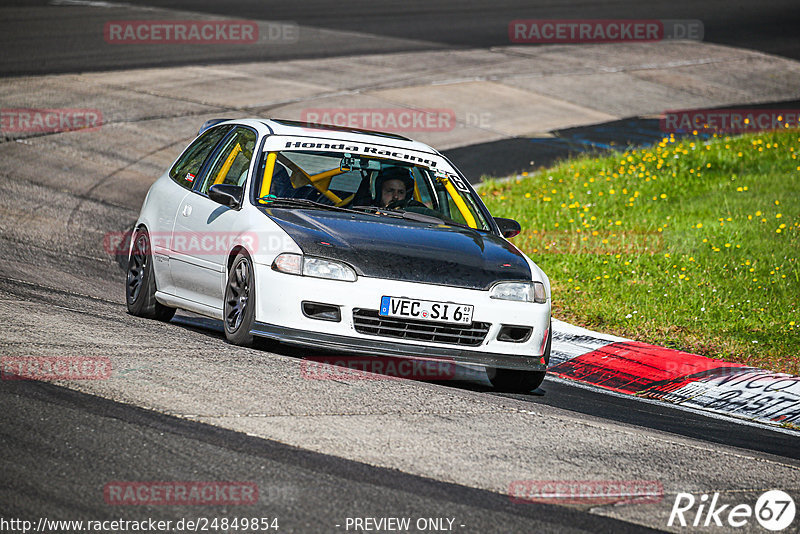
(223, 171)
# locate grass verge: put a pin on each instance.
(691, 244)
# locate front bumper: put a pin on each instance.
(373, 347)
(279, 316)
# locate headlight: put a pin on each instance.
(319, 268)
(314, 267)
(521, 291)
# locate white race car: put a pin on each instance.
(339, 239)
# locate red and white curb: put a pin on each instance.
(688, 380)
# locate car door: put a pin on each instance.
(166, 196)
(204, 230)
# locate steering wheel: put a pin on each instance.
(397, 204)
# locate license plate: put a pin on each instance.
(426, 310)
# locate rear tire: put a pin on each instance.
(140, 286)
(520, 381)
(239, 307)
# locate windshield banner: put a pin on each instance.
(334, 145)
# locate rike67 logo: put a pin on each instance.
(774, 510)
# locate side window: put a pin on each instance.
(471, 212)
(455, 213)
(233, 161)
(188, 165)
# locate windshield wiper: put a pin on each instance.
(299, 202)
(401, 214)
(377, 209)
(389, 212)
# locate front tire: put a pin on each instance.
(140, 286)
(520, 381)
(240, 301)
(516, 381)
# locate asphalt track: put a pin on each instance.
(61, 446)
(596, 402)
(767, 26)
(54, 463)
(37, 40)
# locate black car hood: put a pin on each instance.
(387, 247)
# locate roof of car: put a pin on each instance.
(330, 127)
(327, 131)
(305, 129)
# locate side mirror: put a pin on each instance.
(226, 194)
(508, 227)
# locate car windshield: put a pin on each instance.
(383, 186)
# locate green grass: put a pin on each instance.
(691, 244)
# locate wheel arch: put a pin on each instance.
(138, 225)
(140, 284)
(232, 256)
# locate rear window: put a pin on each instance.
(191, 161)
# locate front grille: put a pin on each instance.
(369, 322)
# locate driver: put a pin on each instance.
(394, 186)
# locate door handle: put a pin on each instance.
(187, 210)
